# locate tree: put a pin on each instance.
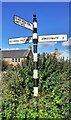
(4, 65)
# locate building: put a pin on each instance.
(16, 56)
(56, 53)
(0, 59)
(0, 54)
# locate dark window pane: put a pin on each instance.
(15, 59)
(18, 59)
(12, 59)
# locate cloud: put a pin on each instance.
(65, 54)
(10, 49)
(67, 43)
(47, 44)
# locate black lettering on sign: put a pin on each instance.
(57, 37)
(28, 24)
(10, 41)
(22, 24)
(21, 40)
(23, 21)
(19, 19)
(45, 38)
(17, 22)
(16, 41)
(63, 37)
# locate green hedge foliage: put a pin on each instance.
(52, 102)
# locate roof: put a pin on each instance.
(56, 53)
(14, 53)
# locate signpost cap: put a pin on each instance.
(34, 15)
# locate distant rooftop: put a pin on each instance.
(14, 53)
(56, 53)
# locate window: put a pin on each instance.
(18, 59)
(12, 59)
(15, 59)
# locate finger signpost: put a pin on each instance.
(35, 39)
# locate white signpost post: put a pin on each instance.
(35, 39)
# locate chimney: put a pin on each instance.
(30, 52)
(56, 50)
(56, 53)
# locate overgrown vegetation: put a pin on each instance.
(4, 65)
(18, 101)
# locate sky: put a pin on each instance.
(52, 17)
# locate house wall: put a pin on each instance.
(22, 59)
(9, 60)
